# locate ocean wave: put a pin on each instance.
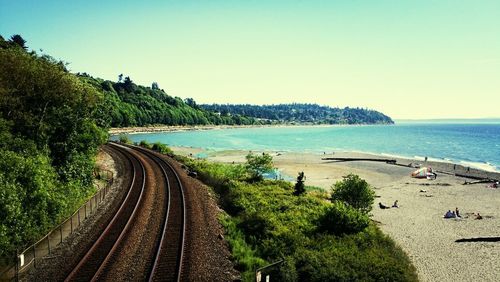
(482, 166)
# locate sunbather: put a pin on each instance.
(382, 206)
(449, 214)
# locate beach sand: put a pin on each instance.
(417, 225)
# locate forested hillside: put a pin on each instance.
(51, 125)
(310, 113)
(128, 104)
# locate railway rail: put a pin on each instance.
(164, 260)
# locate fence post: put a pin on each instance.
(71, 224)
(85, 210)
(79, 217)
(34, 255)
(60, 232)
(48, 242)
(17, 264)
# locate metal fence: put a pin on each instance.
(27, 259)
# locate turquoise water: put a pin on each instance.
(475, 145)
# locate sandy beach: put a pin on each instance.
(417, 225)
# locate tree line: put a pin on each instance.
(128, 104)
(302, 113)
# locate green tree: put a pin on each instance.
(299, 185)
(355, 192)
(258, 164)
(19, 41)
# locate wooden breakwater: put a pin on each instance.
(389, 161)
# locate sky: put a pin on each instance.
(408, 59)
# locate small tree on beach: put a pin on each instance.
(300, 188)
(258, 164)
(355, 192)
(124, 139)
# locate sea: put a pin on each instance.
(470, 143)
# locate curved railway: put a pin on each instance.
(170, 249)
(164, 257)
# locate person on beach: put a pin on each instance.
(449, 214)
(395, 205)
(478, 216)
(457, 212)
(382, 206)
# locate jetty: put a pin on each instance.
(389, 161)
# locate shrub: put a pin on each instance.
(124, 139)
(162, 148)
(299, 185)
(355, 192)
(258, 164)
(340, 218)
(145, 144)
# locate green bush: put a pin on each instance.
(340, 218)
(145, 144)
(258, 164)
(355, 192)
(162, 148)
(124, 139)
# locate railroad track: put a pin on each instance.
(164, 257)
(167, 264)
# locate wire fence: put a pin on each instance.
(27, 259)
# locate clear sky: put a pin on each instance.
(408, 59)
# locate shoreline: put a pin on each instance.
(178, 128)
(432, 242)
(473, 170)
(473, 165)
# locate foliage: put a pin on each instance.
(245, 256)
(17, 39)
(50, 130)
(128, 104)
(300, 188)
(162, 148)
(340, 218)
(123, 138)
(310, 113)
(318, 240)
(355, 192)
(145, 144)
(258, 165)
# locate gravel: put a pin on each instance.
(207, 255)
